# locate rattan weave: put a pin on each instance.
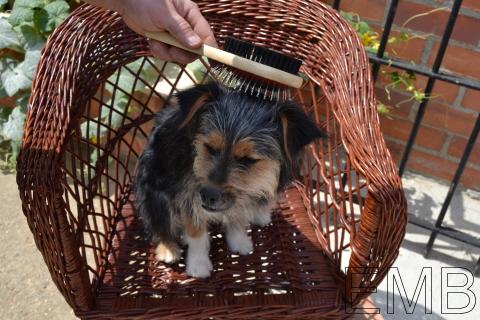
(79, 152)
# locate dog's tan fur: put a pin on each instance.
(260, 181)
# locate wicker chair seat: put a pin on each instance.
(287, 269)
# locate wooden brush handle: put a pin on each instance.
(233, 60)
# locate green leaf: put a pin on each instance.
(8, 36)
(13, 128)
(40, 20)
(22, 101)
(382, 108)
(347, 15)
(50, 17)
(31, 39)
(4, 114)
(20, 77)
(363, 27)
(21, 16)
(6, 65)
(3, 2)
(197, 69)
(394, 76)
(3, 93)
(15, 146)
(14, 80)
(371, 50)
(23, 11)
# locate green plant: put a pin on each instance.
(402, 80)
(23, 33)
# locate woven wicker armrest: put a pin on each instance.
(80, 55)
(375, 243)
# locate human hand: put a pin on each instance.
(181, 18)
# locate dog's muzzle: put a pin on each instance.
(215, 200)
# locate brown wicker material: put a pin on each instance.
(79, 153)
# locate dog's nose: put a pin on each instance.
(210, 195)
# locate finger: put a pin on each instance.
(167, 53)
(181, 30)
(190, 11)
(160, 50)
(132, 24)
(199, 24)
(181, 56)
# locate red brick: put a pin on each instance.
(400, 129)
(437, 167)
(459, 60)
(398, 107)
(453, 120)
(431, 23)
(410, 50)
(443, 2)
(470, 178)
(471, 99)
(433, 165)
(396, 149)
(465, 30)
(430, 138)
(442, 91)
(457, 147)
(471, 4)
(466, 4)
(383, 76)
(366, 9)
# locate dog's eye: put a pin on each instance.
(211, 150)
(247, 161)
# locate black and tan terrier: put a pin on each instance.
(216, 156)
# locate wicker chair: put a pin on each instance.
(88, 123)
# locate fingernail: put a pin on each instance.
(193, 40)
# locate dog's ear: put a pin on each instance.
(192, 100)
(298, 130)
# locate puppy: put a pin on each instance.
(216, 156)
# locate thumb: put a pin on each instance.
(182, 31)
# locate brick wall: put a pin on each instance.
(452, 110)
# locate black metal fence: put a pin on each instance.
(433, 73)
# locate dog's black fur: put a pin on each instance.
(170, 153)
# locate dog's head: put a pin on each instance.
(245, 148)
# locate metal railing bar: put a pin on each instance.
(445, 231)
(463, 82)
(387, 27)
(454, 183)
(336, 5)
(431, 81)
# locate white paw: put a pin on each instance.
(262, 219)
(167, 253)
(199, 267)
(238, 241)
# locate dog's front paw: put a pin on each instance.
(199, 267)
(238, 241)
(168, 253)
(262, 219)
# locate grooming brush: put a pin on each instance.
(257, 71)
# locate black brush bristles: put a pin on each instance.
(251, 84)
